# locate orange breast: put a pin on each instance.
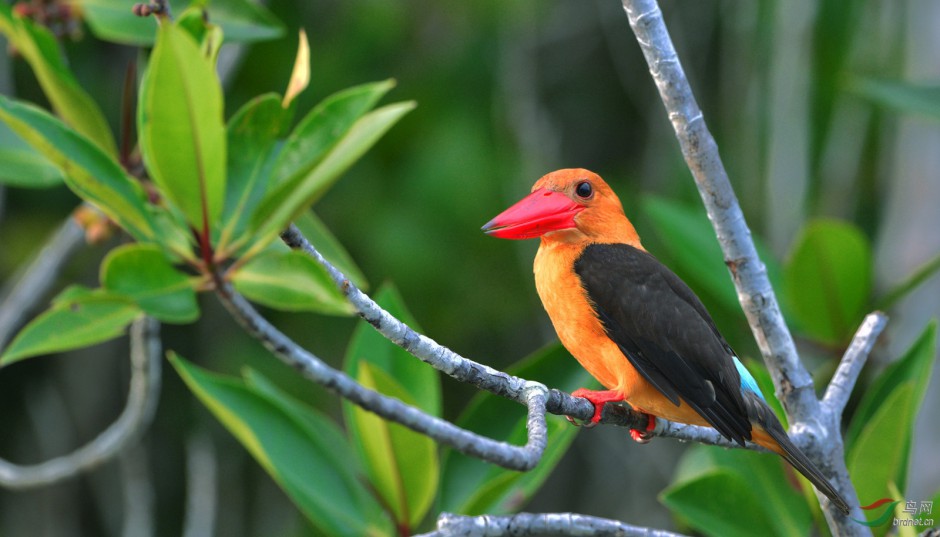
(583, 335)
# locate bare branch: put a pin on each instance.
(34, 280)
(840, 387)
(535, 395)
(141, 402)
(812, 429)
(537, 524)
(794, 384)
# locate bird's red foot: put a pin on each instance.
(643, 437)
(599, 399)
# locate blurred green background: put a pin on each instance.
(795, 94)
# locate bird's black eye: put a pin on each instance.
(584, 190)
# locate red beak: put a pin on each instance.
(535, 215)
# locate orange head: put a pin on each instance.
(571, 205)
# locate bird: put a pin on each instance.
(634, 325)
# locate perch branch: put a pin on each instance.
(504, 454)
(548, 524)
(141, 403)
(840, 387)
(482, 376)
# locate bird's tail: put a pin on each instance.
(776, 440)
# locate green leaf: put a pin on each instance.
(289, 281)
(22, 166)
(252, 136)
(904, 288)
(828, 279)
(880, 453)
(89, 172)
(783, 509)
(25, 168)
(182, 135)
(324, 126)
(721, 504)
(292, 196)
(905, 97)
(913, 369)
(322, 428)
(421, 381)
(471, 486)
(78, 318)
(401, 464)
(143, 273)
(40, 49)
(308, 469)
(329, 246)
(240, 20)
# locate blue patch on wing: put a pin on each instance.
(747, 381)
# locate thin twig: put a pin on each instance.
(34, 280)
(520, 458)
(137, 414)
(537, 524)
(840, 387)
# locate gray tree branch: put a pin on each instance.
(141, 403)
(843, 380)
(541, 524)
(535, 395)
(819, 437)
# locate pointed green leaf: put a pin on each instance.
(471, 486)
(240, 20)
(905, 97)
(182, 135)
(292, 196)
(300, 462)
(289, 281)
(785, 511)
(25, 168)
(78, 318)
(89, 172)
(22, 166)
(828, 279)
(402, 464)
(319, 426)
(329, 246)
(324, 126)
(881, 450)
(914, 370)
(719, 503)
(252, 134)
(143, 273)
(41, 50)
(920, 275)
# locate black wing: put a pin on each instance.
(666, 333)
